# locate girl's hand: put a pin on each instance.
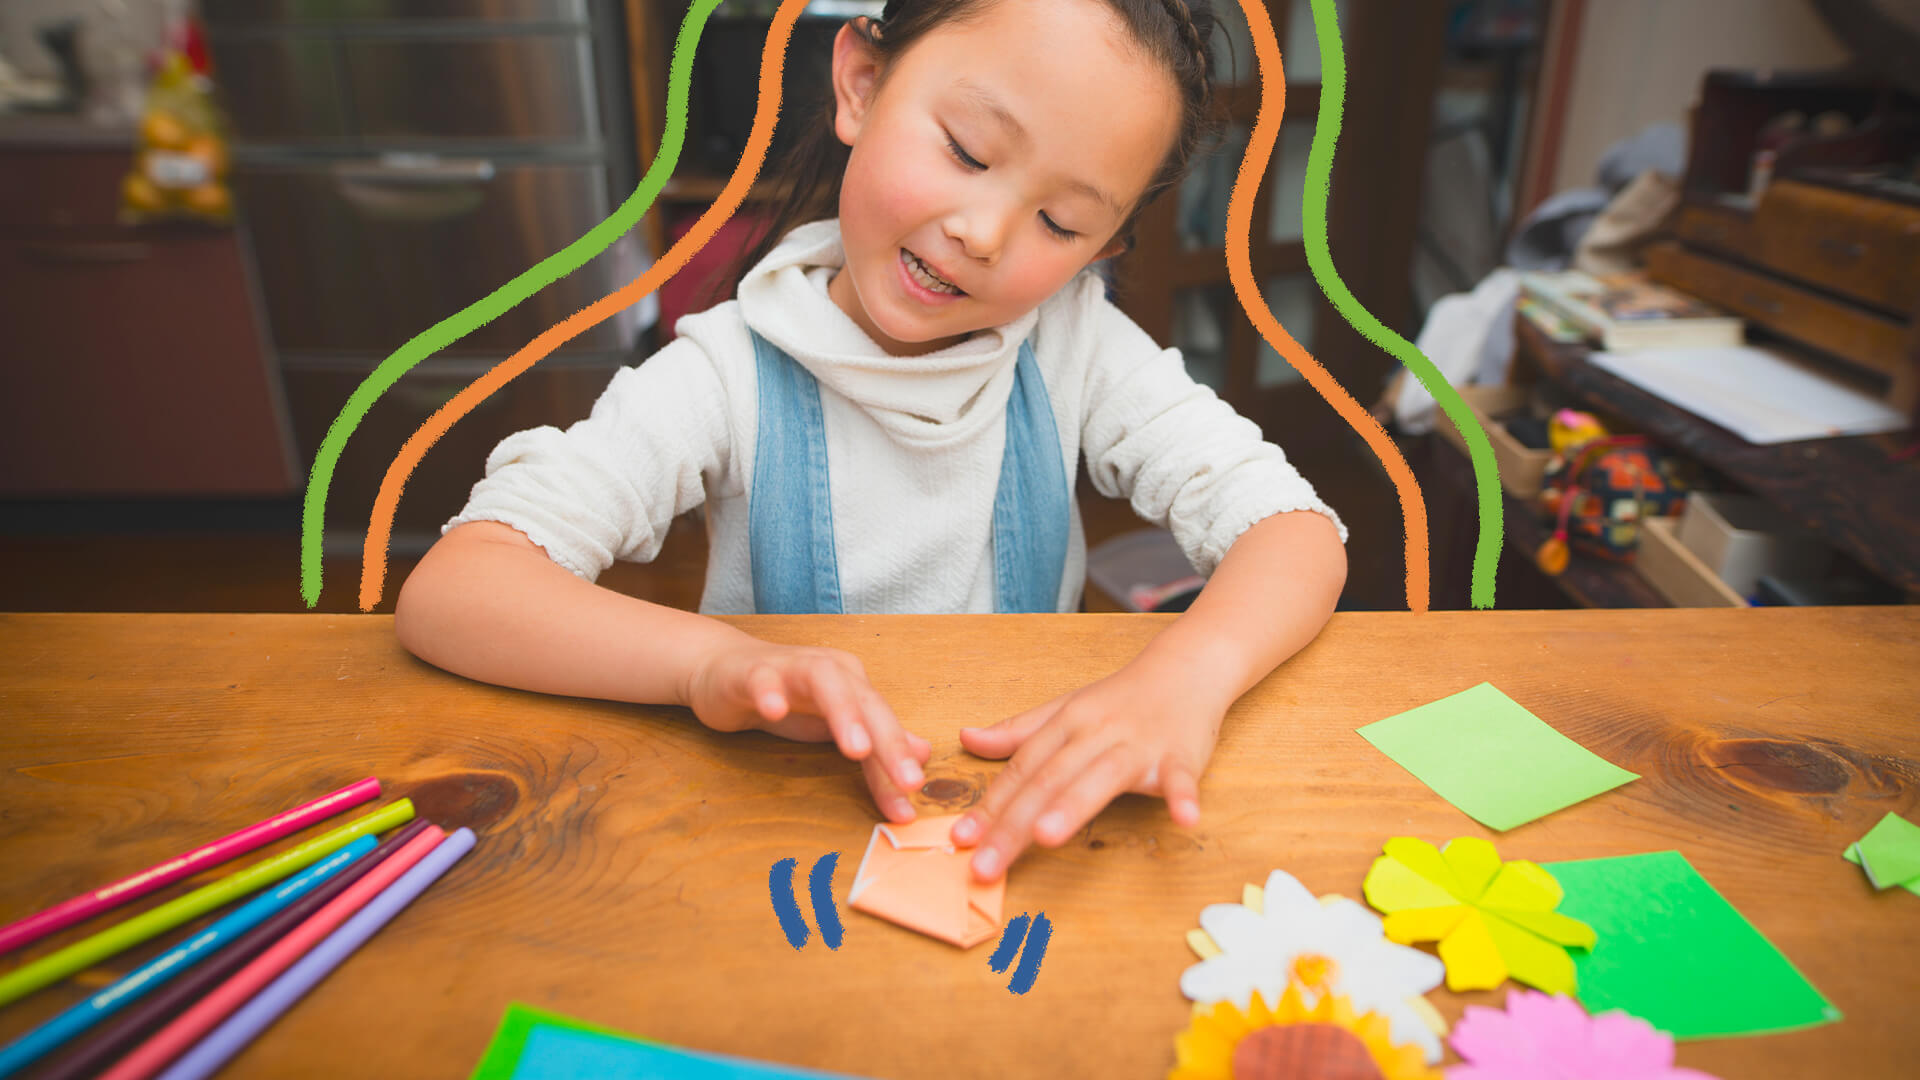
(1137, 730)
(812, 695)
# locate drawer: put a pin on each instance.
(132, 367)
(1721, 229)
(65, 187)
(1522, 468)
(1678, 574)
(272, 12)
(359, 256)
(1866, 249)
(281, 89)
(1871, 340)
(532, 88)
(439, 487)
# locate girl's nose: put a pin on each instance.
(981, 232)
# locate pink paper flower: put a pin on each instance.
(1542, 1037)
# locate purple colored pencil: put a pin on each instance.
(251, 1019)
(116, 1038)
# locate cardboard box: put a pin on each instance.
(1522, 470)
(1675, 572)
(1741, 538)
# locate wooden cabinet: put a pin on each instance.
(130, 358)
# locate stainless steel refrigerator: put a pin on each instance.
(396, 161)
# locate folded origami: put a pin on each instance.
(914, 875)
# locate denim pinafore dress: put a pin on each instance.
(790, 511)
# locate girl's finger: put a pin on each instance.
(890, 740)
(767, 691)
(1182, 792)
(1002, 739)
(1036, 747)
(1110, 774)
(1012, 830)
(891, 801)
(833, 698)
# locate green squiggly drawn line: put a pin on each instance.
(1319, 186)
(485, 310)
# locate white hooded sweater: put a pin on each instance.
(913, 444)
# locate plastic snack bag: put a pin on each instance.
(180, 163)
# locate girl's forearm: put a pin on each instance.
(488, 604)
(1269, 597)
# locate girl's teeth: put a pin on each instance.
(925, 277)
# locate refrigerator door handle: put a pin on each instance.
(417, 188)
(414, 170)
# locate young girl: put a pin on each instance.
(888, 418)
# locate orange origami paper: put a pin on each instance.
(914, 875)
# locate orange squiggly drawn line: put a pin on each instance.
(1266, 130)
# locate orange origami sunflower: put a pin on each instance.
(1293, 1039)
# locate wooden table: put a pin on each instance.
(621, 873)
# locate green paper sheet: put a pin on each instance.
(510, 1038)
(1673, 952)
(533, 1044)
(1890, 852)
(1491, 758)
(1852, 855)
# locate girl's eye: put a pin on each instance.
(968, 160)
(962, 156)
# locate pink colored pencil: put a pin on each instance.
(176, 1038)
(86, 905)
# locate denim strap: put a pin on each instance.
(790, 511)
(1030, 510)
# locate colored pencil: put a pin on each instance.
(175, 1039)
(40, 1041)
(86, 905)
(116, 1038)
(81, 954)
(254, 1017)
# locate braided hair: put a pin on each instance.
(1174, 33)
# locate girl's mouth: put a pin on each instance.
(930, 286)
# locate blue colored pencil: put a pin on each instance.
(49, 1036)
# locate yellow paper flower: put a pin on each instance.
(1493, 920)
(1224, 1042)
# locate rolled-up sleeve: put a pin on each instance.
(1182, 457)
(609, 486)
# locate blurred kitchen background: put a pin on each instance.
(165, 383)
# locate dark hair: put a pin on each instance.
(1176, 33)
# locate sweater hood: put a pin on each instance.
(934, 398)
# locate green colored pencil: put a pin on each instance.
(89, 951)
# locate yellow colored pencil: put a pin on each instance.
(81, 954)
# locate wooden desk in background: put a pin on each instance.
(621, 874)
(1858, 494)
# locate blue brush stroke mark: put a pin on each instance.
(1010, 938)
(780, 884)
(1030, 957)
(820, 884)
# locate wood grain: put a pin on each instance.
(621, 874)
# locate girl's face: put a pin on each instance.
(1000, 157)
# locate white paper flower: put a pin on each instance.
(1333, 946)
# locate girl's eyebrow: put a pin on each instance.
(982, 98)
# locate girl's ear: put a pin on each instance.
(856, 71)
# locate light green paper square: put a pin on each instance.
(1672, 951)
(1852, 855)
(1890, 852)
(1491, 758)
